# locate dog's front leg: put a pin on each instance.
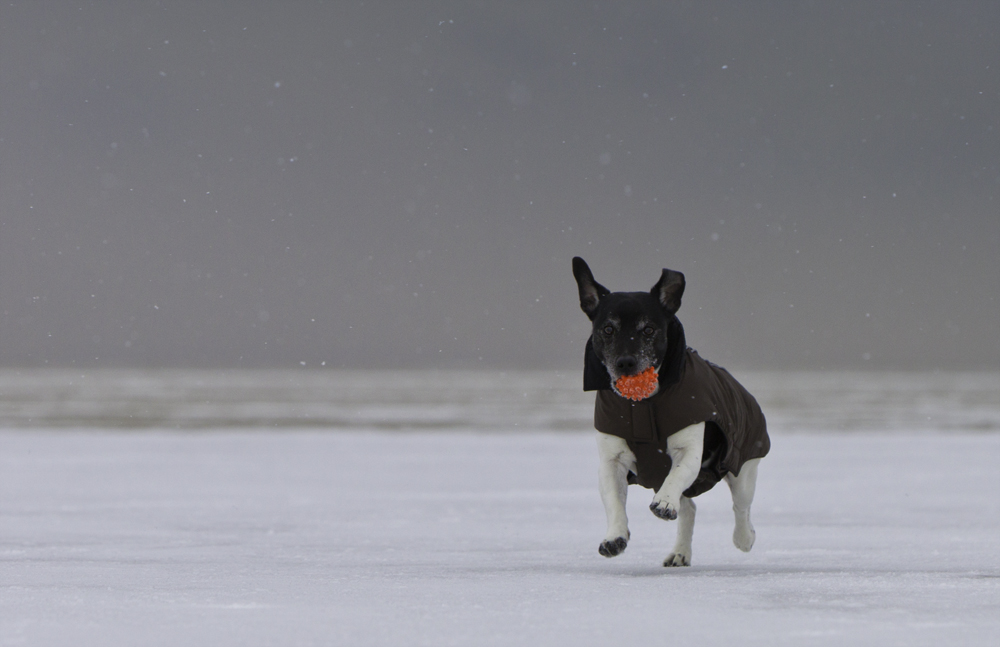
(685, 448)
(616, 459)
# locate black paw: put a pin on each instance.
(663, 513)
(612, 548)
(677, 559)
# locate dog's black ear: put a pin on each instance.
(595, 375)
(668, 290)
(591, 292)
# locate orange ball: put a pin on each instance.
(638, 387)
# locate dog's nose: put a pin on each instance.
(626, 365)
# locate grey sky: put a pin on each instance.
(404, 184)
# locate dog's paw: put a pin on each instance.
(677, 559)
(612, 547)
(663, 510)
(744, 536)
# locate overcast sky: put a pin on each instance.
(404, 183)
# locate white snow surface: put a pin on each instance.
(312, 537)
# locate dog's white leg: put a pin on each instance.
(681, 556)
(742, 487)
(616, 459)
(685, 448)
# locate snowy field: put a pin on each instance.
(469, 400)
(868, 533)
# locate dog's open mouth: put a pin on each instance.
(637, 387)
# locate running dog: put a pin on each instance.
(666, 419)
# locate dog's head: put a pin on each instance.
(632, 331)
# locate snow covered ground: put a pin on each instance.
(291, 536)
(304, 508)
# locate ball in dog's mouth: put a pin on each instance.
(638, 387)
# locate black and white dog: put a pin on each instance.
(692, 427)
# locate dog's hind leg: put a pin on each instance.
(616, 459)
(742, 487)
(681, 556)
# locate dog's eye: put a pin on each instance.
(649, 331)
(609, 330)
